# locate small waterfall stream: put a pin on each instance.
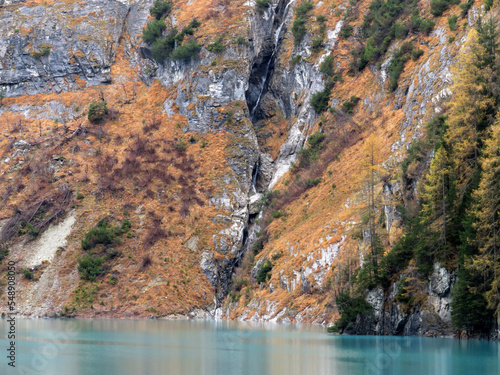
(258, 82)
(266, 76)
(255, 174)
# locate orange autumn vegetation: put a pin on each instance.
(131, 167)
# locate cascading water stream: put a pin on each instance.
(258, 82)
(254, 177)
(265, 78)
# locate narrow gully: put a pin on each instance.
(268, 61)
(258, 85)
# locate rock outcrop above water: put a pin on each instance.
(393, 314)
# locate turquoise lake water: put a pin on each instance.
(133, 347)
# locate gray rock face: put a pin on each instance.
(236, 80)
(265, 173)
(136, 19)
(256, 268)
(228, 242)
(254, 205)
(216, 90)
(209, 268)
(440, 281)
(428, 318)
(392, 193)
(264, 81)
(52, 110)
(9, 2)
(49, 48)
(301, 80)
(305, 285)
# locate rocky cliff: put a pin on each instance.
(189, 150)
(425, 313)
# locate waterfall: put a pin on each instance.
(254, 177)
(265, 77)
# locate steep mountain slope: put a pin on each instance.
(202, 123)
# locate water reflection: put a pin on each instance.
(129, 347)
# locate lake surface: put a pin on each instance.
(135, 347)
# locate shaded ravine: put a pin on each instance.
(261, 73)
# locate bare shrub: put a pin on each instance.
(211, 14)
(163, 176)
(155, 232)
(130, 167)
(127, 207)
(153, 123)
(146, 262)
(108, 179)
(100, 133)
(149, 193)
(140, 147)
(76, 148)
(105, 164)
(37, 216)
(184, 210)
(113, 114)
